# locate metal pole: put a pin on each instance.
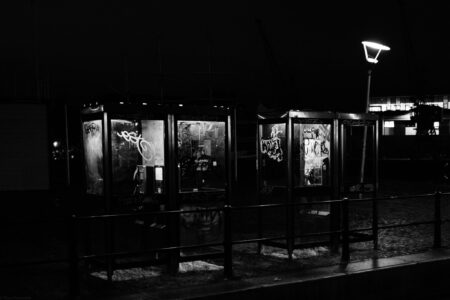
(375, 187)
(375, 223)
(258, 179)
(228, 247)
(107, 191)
(437, 220)
(174, 225)
(290, 211)
(335, 208)
(345, 258)
(363, 156)
(227, 242)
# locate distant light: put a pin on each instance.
(144, 103)
(121, 102)
(389, 124)
(56, 144)
(373, 46)
(215, 106)
(180, 105)
(436, 125)
(375, 108)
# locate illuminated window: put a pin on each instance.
(410, 131)
(389, 124)
(375, 108)
(436, 127)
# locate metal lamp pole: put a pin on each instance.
(376, 49)
(363, 156)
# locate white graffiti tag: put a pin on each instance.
(272, 146)
(145, 148)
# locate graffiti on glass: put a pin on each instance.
(145, 148)
(272, 147)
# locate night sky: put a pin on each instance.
(312, 57)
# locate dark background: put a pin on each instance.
(258, 54)
(305, 53)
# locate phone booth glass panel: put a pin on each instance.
(93, 156)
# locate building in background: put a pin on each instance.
(415, 135)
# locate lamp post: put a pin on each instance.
(371, 50)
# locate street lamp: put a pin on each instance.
(371, 50)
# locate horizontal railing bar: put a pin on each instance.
(236, 242)
(270, 205)
(149, 213)
(162, 249)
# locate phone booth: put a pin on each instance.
(299, 160)
(141, 157)
(205, 176)
(359, 166)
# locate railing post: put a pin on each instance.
(74, 280)
(227, 242)
(375, 223)
(437, 220)
(345, 255)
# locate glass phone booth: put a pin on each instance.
(300, 160)
(150, 157)
(204, 173)
(359, 167)
(125, 164)
(296, 162)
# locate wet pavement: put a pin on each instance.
(401, 272)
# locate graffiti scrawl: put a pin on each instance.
(145, 148)
(272, 147)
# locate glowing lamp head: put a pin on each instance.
(372, 51)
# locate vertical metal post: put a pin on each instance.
(228, 247)
(290, 210)
(375, 186)
(366, 109)
(342, 159)
(107, 190)
(334, 167)
(258, 187)
(376, 154)
(345, 258)
(174, 255)
(375, 223)
(437, 220)
(74, 279)
(227, 242)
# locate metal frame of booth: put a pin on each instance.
(335, 187)
(170, 113)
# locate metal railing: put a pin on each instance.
(344, 232)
